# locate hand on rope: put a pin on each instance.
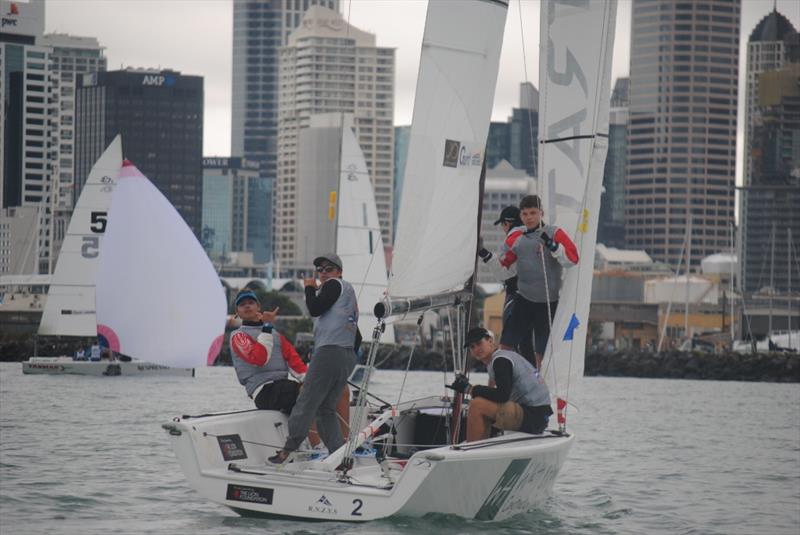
(549, 242)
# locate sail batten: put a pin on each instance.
(575, 83)
(435, 247)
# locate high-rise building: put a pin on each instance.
(70, 57)
(498, 143)
(232, 200)
(517, 140)
(260, 28)
(611, 226)
(682, 130)
(19, 240)
(159, 114)
(329, 66)
(771, 190)
(769, 201)
(27, 132)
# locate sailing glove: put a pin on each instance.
(461, 383)
(485, 254)
(549, 242)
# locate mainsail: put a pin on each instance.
(574, 83)
(158, 296)
(358, 235)
(436, 239)
(70, 307)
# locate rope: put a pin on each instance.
(410, 357)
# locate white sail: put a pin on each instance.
(358, 235)
(158, 296)
(436, 233)
(69, 310)
(575, 80)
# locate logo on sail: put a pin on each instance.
(457, 154)
(451, 151)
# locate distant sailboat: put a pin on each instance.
(70, 306)
(158, 295)
(223, 455)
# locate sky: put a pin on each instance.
(195, 37)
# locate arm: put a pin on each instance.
(503, 372)
(319, 303)
(292, 357)
(507, 256)
(567, 253)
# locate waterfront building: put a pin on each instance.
(329, 66)
(682, 127)
(159, 114)
(611, 226)
(260, 28)
(771, 189)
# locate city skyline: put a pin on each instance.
(396, 23)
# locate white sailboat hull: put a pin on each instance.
(101, 368)
(223, 457)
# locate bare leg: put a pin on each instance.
(482, 413)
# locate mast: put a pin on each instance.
(771, 279)
(789, 289)
(688, 274)
(730, 284)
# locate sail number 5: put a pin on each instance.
(90, 247)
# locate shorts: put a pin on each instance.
(280, 395)
(511, 416)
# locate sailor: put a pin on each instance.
(263, 358)
(334, 307)
(519, 399)
(540, 253)
(512, 227)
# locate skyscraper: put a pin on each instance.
(517, 140)
(329, 66)
(71, 56)
(682, 130)
(160, 116)
(260, 28)
(771, 191)
(27, 103)
(611, 227)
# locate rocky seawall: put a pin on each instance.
(768, 367)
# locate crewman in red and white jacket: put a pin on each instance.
(540, 254)
(264, 358)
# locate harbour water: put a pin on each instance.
(88, 455)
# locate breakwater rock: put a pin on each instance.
(769, 367)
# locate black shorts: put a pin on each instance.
(279, 395)
(535, 419)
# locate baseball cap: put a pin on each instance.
(246, 294)
(332, 258)
(509, 214)
(476, 334)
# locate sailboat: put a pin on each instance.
(223, 455)
(70, 306)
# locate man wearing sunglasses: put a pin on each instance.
(334, 307)
(516, 398)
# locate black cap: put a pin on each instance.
(477, 334)
(509, 214)
(331, 258)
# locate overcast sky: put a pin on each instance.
(195, 37)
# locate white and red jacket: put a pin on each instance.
(535, 263)
(256, 364)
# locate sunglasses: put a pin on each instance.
(326, 269)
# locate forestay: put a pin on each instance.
(158, 296)
(70, 307)
(436, 234)
(358, 235)
(575, 78)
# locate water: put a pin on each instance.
(88, 455)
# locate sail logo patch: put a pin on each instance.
(244, 493)
(231, 447)
(451, 153)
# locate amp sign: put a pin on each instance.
(158, 80)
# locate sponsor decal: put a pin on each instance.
(351, 173)
(13, 11)
(324, 506)
(231, 447)
(47, 367)
(151, 367)
(244, 493)
(67, 312)
(451, 150)
(495, 500)
(574, 323)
